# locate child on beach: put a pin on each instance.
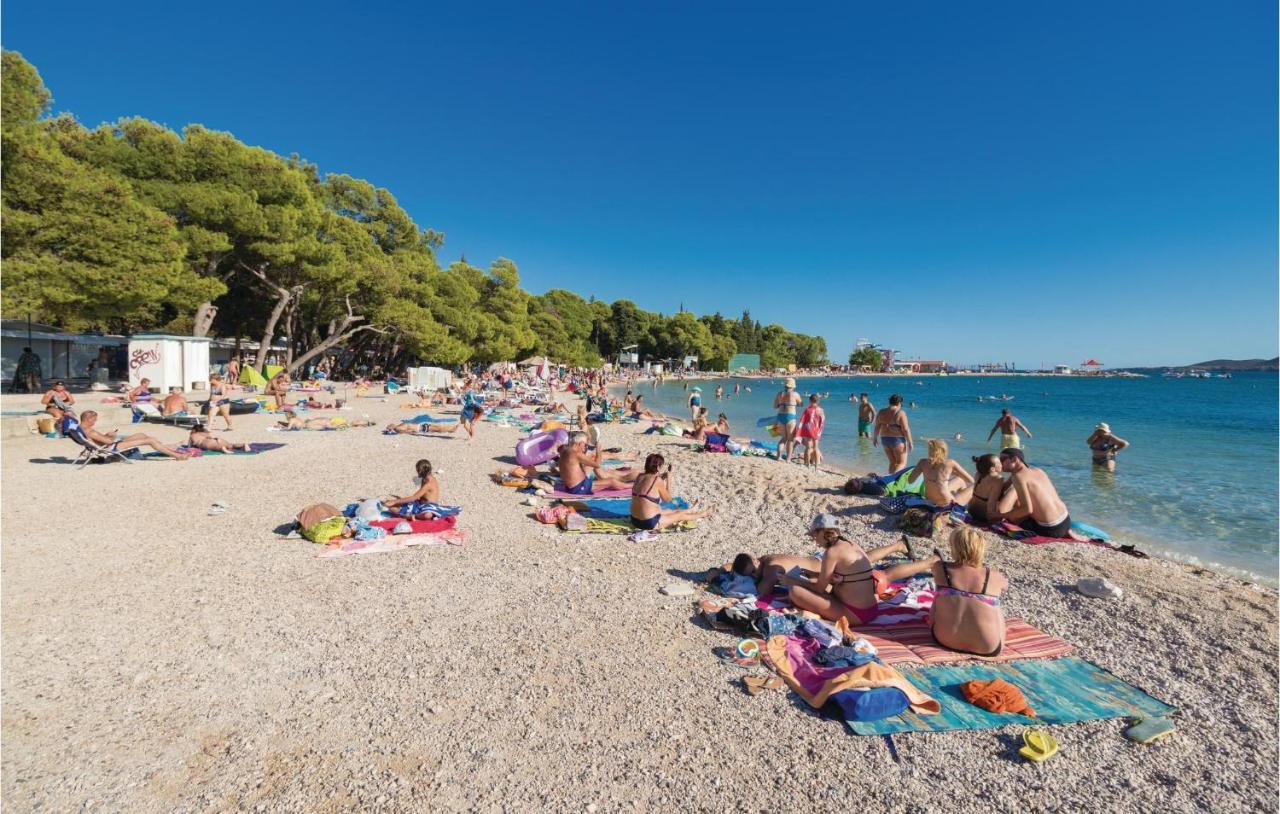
(417, 505)
(810, 431)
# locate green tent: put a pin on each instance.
(272, 370)
(250, 376)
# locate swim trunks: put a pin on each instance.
(1059, 530)
(1010, 441)
(864, 427)
(583, 487)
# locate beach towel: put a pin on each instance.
(418, 526)
(621, 525)
(265, 446)
(426, 419)
(793, 659)
(1020, 534)
(560, 493)
(617, 507)
(393, 543)
(1061, 691)
(913, 644)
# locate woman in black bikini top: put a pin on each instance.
(650, 491)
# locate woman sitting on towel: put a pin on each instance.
(847, 586)
(414, 506)
(650, 491)
(201, 438)
(945, 481)
(987, 483)
(966, 615)
(700, 426)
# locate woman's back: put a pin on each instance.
(966, 614)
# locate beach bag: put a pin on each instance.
(922, 521)
(871, 705)
(552, 515)
(715, 442)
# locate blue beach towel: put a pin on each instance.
(1061, 691)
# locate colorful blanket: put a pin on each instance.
(393, 543)
(622, 525)
(266, 446)
(1061, 691)
(559, 493)
(792, 658)
(419, 526)
(913, 644)
(616, 507)
(1020, 534)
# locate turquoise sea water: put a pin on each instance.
(1199, 482)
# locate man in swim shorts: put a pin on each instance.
(1032, 503)
(866, 415)
(574, 462)
(1008, 425)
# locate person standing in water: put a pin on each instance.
(787, 404)
(695, 401)
(1104, 446)
(893, 432)
(1008, 425)
(809, 431)
(866, 415)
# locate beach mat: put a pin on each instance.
(418, 526)
(560, 494)
(617, 507)
(913, 644)
(1060, 691)
(393, 543)
(622, 525)
(426, 419)
(266, 446)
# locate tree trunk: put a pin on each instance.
(329, 343)
(283, 296)
(205, 312)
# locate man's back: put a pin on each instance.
(1046, 506)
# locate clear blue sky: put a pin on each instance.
(1010, 181)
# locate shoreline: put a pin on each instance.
(159, 658)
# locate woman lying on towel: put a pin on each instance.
(846, 585)
(650, 491)
(945, 481)
(335, 423)
(201, 438)
(409, 428)
(413, 506)
(966, 615)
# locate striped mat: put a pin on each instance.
(1060, 691)
(905, 645)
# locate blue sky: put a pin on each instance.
(1023, 182)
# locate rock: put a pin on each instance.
(1098, 588)
(676, 589)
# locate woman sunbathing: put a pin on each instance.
(945, 481)
(426, 428)
(201, 438)
(415, 505)
(966, 615)
(650, 491)
(335, 423)
(846, 585)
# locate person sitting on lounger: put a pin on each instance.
(847, 586)
(415, 505)
(650, 491)
(966, 615)
(174, 404)
(426, 428)
(201, 438)
(1032, 502)
(574, 462)
(113, 440)
(57, 401)
(945, 481)
(140, 393)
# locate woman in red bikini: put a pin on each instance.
(847, 586)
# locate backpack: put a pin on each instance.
(921, 521)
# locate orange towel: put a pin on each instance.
(996, 695)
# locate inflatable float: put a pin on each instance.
(540, 447)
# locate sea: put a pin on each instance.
(1197, 484)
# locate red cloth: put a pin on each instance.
(811, 422)
(419, 526)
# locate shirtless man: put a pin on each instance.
(1032, 503)
(90, 418)
(174, 404)
(574, 463)
(866, 415)
(1008, 425)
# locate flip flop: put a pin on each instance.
(729, 655)
(1040, 745)
(758, 684)
(911, 552)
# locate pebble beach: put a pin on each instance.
(160, 658)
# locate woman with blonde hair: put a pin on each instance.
(945, 481)
(966, 615)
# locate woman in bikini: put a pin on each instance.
(218, 401)
(945, 481)
(987, 483)
(417, 505)
(893, 432)
(966, 615)
(650, 491)
(201, 438)
(1103, 446)
(847, 586)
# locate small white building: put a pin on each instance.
(169, 361)
(1062, 370)
(62, 355)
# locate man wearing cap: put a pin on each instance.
(1032, 503)
(787, 404)
(1008, 425)
(1104, 446)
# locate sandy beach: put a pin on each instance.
(157, 658)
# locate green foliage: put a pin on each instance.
(869, 357)
(135, 226)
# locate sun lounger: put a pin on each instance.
(152, 414)
(91, 452)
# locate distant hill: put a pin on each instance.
(1238, 364)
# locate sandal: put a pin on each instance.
(729, 655)
(1132, 552)
(758, 684)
